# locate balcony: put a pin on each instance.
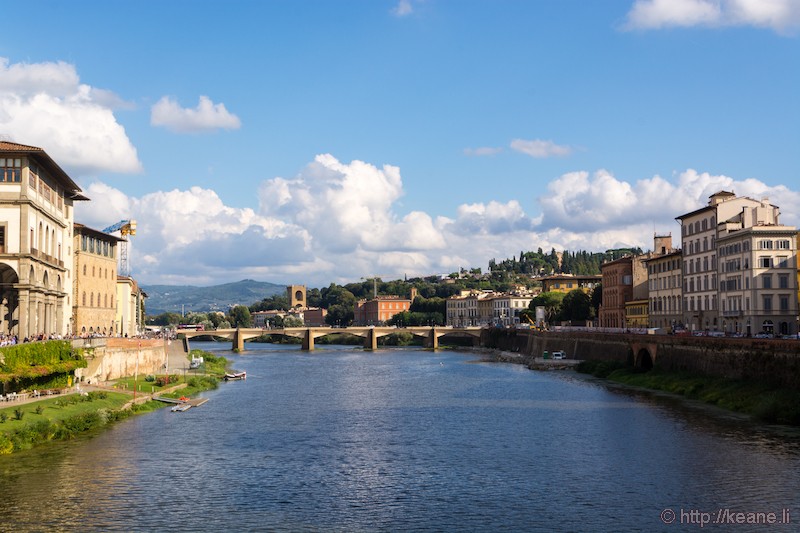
(732, 313)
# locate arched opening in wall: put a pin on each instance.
(83, 330)
(644, 360)
(768, 327)
(9, 297)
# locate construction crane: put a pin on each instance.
(125, 228)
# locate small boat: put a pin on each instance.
(181, 407)
(235, 375)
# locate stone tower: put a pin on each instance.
(296, 295)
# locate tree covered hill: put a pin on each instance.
(188, 298)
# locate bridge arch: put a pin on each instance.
(643, 359)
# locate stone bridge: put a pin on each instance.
(371, 334)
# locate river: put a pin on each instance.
(408, 440)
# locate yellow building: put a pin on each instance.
(568, 282)
(636, 315)
(130, 307)
(95, 289)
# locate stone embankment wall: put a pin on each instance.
(773, 361)
(113, 358)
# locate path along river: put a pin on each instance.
(408, 440)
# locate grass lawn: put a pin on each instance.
(145, 387)
(57, 409)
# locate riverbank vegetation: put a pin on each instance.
(760, 400)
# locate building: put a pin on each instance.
(130, 307)
(296, 294)
(757, 270)
(568, 282)
(617, 278)
(462, 310)
(36, 261)
(699, 248)
(315, 316)
(665, 295)
(378, 310)
(636, 313)
(506, 309)
(94, 298)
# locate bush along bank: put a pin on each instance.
(763, 402)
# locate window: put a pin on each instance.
(765, 245)
(783, 282)
(784, 245)
(2, 239)
(10, 169)
(767, 302)
(784, 302)
(765, 262)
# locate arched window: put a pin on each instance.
(84, 270)
(91, 300)
(84, 299)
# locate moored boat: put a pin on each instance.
(181, 407)
(232, 376)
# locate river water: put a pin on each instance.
(408, 440)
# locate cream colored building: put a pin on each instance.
(36, 215)
(699, 248)
(130, 307)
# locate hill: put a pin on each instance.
(178, 298)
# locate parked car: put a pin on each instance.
(559, 355)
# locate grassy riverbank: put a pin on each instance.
(32, 424)
(763, 402)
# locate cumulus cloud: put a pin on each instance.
(45, 105)
(207, 116)
(338, 221)
(540, 149)
(782, 16)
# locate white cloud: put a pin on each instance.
(207, 116)
(540, 149)
(482, 151)
(782, 16)
(45, 105)
(403, 8)
(337, 222)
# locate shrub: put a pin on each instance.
(39, 409)
(18, 413)
(3, 417)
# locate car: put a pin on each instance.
(559, 355)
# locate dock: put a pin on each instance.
(191, 402)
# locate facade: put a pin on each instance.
(315, 316)
(36, 216)
(636, 313)
(130, 307)
(567, 282)
(462, 310)
(617, 289)
(95, 282)
(699, 247)
(757, 271)
(506, 309)
(665, 283)
(378, 310)
(296, 294)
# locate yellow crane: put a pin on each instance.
(125, 228)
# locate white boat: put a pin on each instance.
(181, 407)
(235, 375)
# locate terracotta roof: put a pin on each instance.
(46, 161)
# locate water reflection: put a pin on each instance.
(344, 440)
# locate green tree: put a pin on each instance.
(576, 306)
(339, 315)
(551, 301)
(597, 298)
(240, 317)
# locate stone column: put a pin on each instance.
(308, 341)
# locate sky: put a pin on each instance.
(326, 141)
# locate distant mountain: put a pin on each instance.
(187, 298)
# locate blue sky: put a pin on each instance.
(324, 141)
